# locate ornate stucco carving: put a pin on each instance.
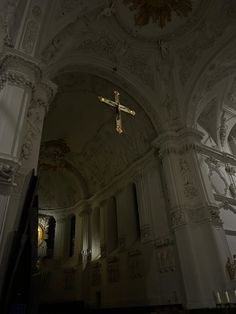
(158, 11)
(18, 70)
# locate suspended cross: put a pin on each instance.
(116, 104)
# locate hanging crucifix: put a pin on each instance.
(117, 105)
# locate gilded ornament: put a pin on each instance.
(159, 11)
(116, 104)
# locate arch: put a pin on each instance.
(102, 69)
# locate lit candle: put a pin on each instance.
(227, 297)
(218, 298)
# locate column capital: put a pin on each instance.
(19, 69)
(178, 142)
(22, 70)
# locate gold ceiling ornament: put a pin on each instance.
(158, 10)
(117, 105)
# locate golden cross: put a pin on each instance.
(116, 104)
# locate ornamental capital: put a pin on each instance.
(178, 142)
(19, 69)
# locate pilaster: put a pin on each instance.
(142, 185)
(194, 220)
(60, 237)
(85, 215)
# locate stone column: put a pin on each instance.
(78, 238)
(23, 91)
(194, 219)
(141, 184)
(85, 214)
(103, 229)
(60, 245)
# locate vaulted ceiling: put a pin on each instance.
(173, 62)
(81, 151)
